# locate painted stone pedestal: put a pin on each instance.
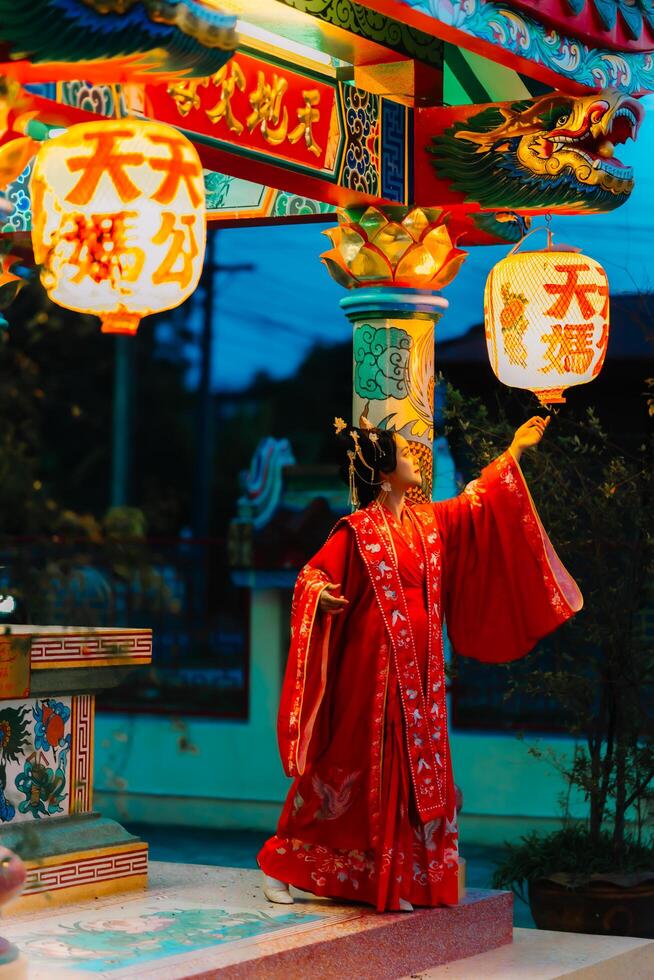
(48, 680)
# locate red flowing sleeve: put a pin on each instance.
(504, 586)
(306, 676)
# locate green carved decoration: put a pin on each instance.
(555, 152)
(292, 205)
(374, 26)
(381, 362)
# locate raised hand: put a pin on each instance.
(529, 434)
(332, 604)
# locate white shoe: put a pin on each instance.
(405, 906)
(277, 891)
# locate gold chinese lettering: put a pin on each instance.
(569, 348)
(104, 159)
(176, 169)
(308, 115)
(267, 109)
(229, 78)
(179, 237)
(185, 95)
(570, 290)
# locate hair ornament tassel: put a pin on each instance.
(357, 450)
(354, 493)
(369, 432)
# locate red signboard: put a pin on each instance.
(260, 107)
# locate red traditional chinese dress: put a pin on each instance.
(362, 724)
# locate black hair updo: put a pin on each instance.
(380, 454)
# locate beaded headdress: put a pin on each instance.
(355, 455)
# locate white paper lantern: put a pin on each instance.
(547, 320)
(118, 219)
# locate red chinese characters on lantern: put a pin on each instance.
(177, 170)
(104, 158)
(561, 328)
(100, 250)
(120, 229)
(177, 265)
(570, 346)
(571, 291)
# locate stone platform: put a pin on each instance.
(204, 921)
(197, 920)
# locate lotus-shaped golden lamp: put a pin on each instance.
(394, 246)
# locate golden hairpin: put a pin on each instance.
(357, 449)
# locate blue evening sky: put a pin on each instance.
(268, 319)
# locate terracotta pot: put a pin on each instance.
(609, 905)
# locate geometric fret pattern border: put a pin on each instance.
(91, 649)
(81, 773)
(87, 869)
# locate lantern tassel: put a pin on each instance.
(121, 323)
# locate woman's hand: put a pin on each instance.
(331, 604)
(529, 435)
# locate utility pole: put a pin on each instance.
(205, 434)
(122, 420)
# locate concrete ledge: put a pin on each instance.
(541, 955)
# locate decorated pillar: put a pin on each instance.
(394, 260)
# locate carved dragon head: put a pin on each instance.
(554, 153)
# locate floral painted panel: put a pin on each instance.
(35, 744)
(106, 946)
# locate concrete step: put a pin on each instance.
(537, 954)
(197, 920)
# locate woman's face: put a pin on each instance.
(407, 472)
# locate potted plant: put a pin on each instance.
(596, 498)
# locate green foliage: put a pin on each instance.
(596, 500)
(570, 850)
(56, 390)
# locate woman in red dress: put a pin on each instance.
(371, 814)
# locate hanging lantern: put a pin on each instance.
(547, 320)
(118, 219)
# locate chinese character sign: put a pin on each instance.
(547, 321)
(267, 110)
(118, 219)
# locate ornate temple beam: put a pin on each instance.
(297, 134)
(292, 128)
(537, 40)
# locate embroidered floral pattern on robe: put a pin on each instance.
(362, 725)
